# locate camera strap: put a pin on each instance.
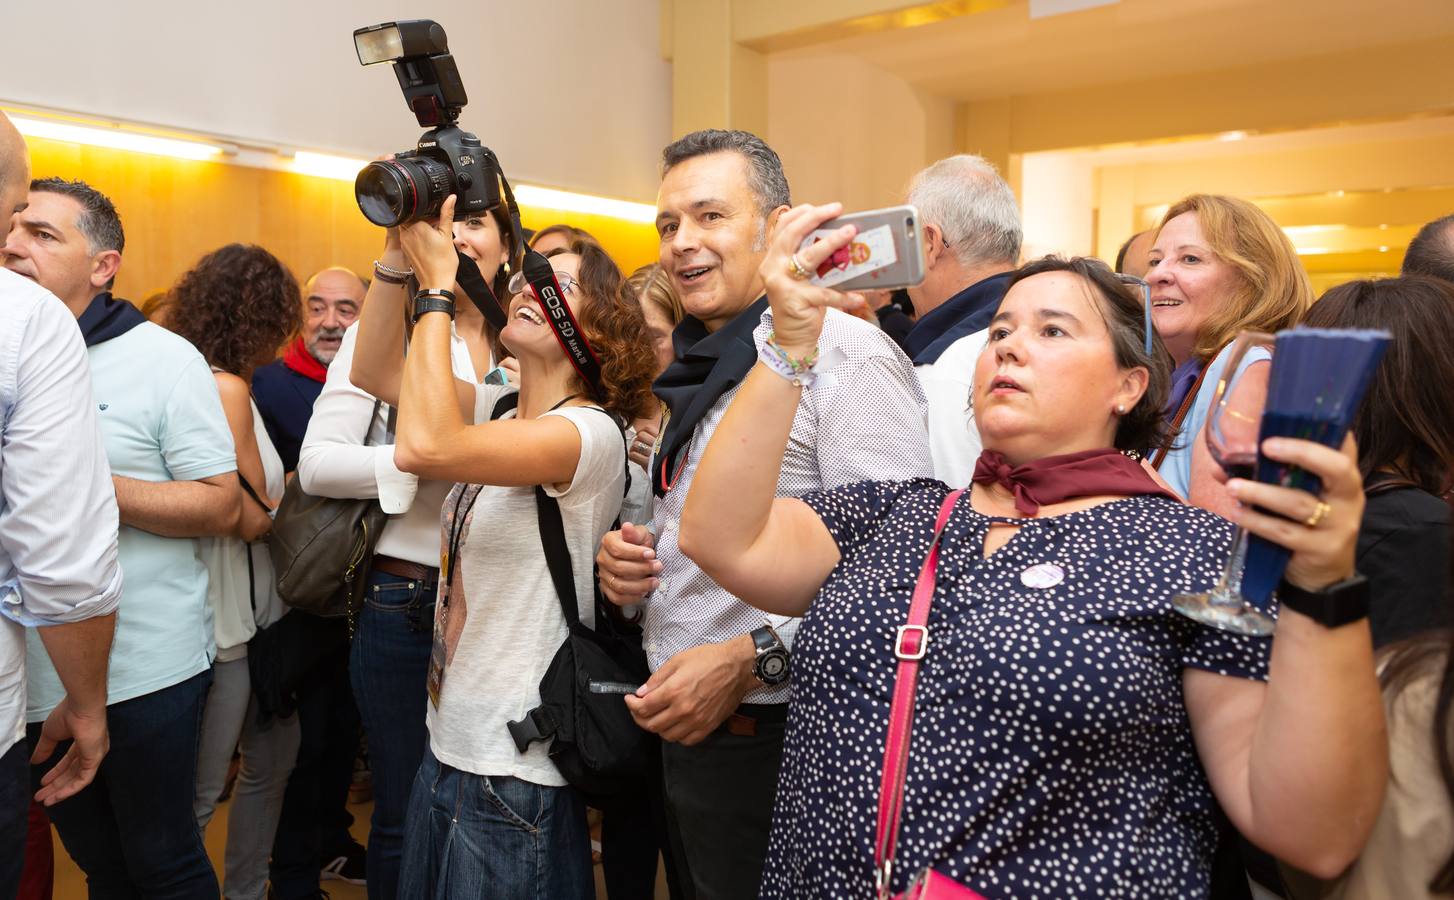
(468, 274)
(541, 276)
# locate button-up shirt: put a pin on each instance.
(862, 419)
(58, 518)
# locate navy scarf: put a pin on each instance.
(108, 317)
(708, 365)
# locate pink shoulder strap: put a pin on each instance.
(911, 640)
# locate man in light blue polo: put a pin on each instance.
(132, 830)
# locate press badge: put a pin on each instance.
(870, 251)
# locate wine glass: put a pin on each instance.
(1233, 427)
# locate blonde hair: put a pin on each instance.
(1273, 291)
(650, 283)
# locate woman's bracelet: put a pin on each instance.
(798, 371)
(391, 275)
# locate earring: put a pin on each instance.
(1120, 410)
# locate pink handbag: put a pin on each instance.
(910, 643)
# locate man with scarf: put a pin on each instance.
(286, 389)
(971, 234)
(132, 830)
(719, 689)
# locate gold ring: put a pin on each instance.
(1318, 515)
(797, 270)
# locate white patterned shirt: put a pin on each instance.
(863, 419)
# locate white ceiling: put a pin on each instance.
(1004, 52)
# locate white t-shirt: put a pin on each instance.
(503, 622)
(953, 437)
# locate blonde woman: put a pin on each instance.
(1219, 265)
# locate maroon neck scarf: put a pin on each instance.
(1054, 479)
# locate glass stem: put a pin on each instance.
(1228, 591)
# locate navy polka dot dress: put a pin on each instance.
(1051, 754)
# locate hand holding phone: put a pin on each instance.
(887, 253)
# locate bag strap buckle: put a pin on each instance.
(903, 649)
(536, 726)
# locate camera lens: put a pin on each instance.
(394, 191)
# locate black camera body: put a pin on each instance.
(448, 160)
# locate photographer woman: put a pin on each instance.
(389, 655)
(484, 818)
(1073, 733)
(237, 306)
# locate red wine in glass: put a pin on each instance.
(1233, 427)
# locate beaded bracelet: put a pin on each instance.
(799, 371)
(391, 275)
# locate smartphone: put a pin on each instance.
(886, 254)
(497, 375)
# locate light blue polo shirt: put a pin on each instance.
(161, 420)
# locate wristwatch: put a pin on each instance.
(433, 301)
(1335, 605)
(771, 666)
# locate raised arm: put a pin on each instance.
(772, 553)
(378, 360)
(434, 440)
(1300, 763)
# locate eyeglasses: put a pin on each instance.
(518, 283)
(1145, 288)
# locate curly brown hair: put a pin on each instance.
(616, 330)
(236, 304)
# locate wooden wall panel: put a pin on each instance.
(175, 211)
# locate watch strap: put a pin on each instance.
(1334, 606)
(432, 301)
(764, 639)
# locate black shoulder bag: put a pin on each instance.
(594, 742)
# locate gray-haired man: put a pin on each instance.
(971, 243)
(719, 690)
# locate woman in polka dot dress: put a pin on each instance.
(1073, 734)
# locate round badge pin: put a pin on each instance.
(1042, 576)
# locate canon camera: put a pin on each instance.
(448, 160)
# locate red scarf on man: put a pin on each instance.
(1054, 479)
(297, 358)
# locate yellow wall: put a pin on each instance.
(174, 211)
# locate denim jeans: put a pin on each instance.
(388, 667)
(498, 837)
(133, 830)
(314, 821)
(14, 811)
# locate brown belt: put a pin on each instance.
(403, 568)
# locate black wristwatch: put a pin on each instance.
(433, 301)
(1335, 605)
(771, 666)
